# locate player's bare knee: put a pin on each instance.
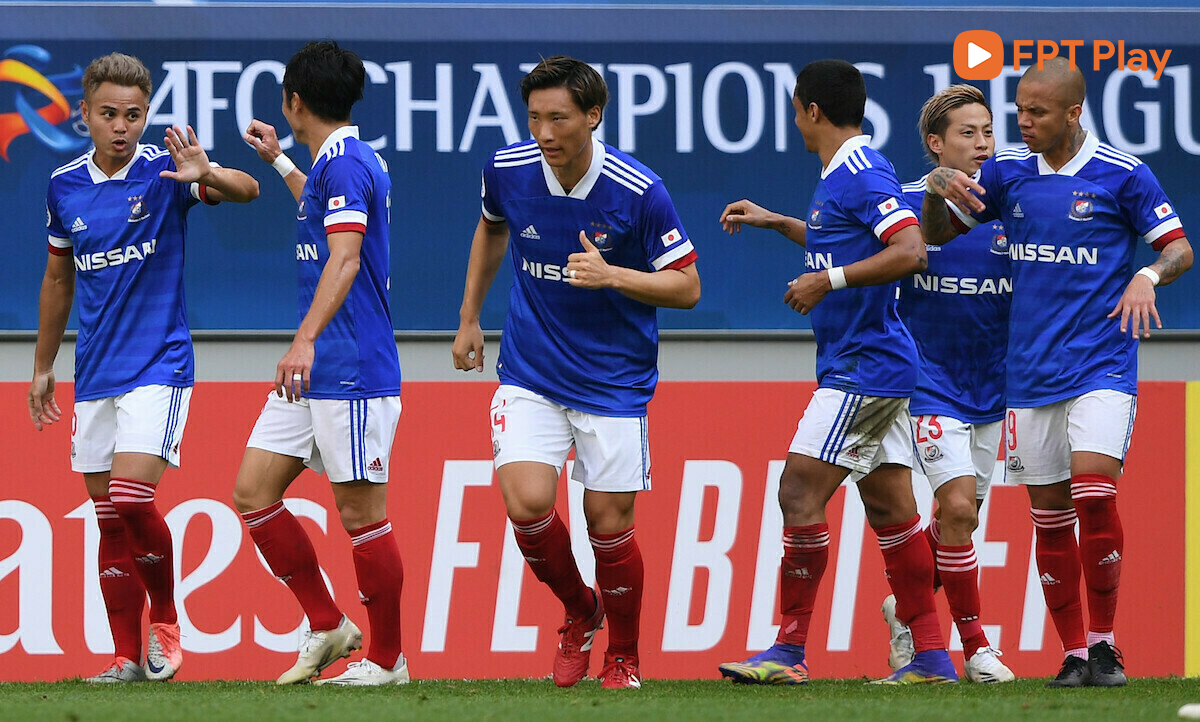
(959, 516)
(608, 513)
(248, 498)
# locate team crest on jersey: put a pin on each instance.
(601, 242)
(138, 211)
(1014, 464)
(932, 453)
(301, 214)
(1081, 209)
(814, 218)
(999, 240)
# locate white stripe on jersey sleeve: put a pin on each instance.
(346, 216)
(491, 216)
(967, 219)
(1162, 229)
(521, 161)
(672, 255)
(59, 242)
(628, 184)
(892, 219)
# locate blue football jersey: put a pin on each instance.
(348, 189)
(1071, 237)
(862, 347)
(126, 234)
(957, 311)
(594, 350)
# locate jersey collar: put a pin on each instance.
(584, 186)
(98, 176)
(848, 147)
(1073, 166)
(340, 133)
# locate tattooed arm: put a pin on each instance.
(744, 211)
(947, 184)
(1137, 303)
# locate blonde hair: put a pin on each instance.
(935, 114)
(118, 69)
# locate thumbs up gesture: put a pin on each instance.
(588, 269)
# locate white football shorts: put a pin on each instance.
(612, 453)
(345, 439)
(144, 420)
(948, 449)
(1039, 441)
(855, 431)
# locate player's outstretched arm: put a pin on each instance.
(192, 166)
(947, 184)
(1136, 306)
(54, 307)
(668, 288)
(745, 211)
(487, 253)
(904, 256)
(265, 141)
(293, 373)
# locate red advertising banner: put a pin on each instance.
(709, 531)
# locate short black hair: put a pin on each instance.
(586, 86)
(329, 79)
(837, 88)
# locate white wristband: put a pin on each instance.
(1150, 273)
(837, 277)
(283, 165)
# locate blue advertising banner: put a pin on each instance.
(701, 95)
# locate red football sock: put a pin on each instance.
(933, 535)
(1101, 543)
(122, 588)
(546, 545)
(960, 575)
(910, 573)
(805, 556)
(1057, 556)
(620, 576)
(149, 541)
(290, 554)
(380, 579)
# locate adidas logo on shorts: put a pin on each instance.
(376, 465)
(1047, 580)
(149, 559)
(112, 573)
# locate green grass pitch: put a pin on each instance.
(534, 700)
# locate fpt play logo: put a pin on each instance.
(979, 54)
(40, 104)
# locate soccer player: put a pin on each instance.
(598, 247)
(337, 389)
(957, 311)
(116, 218)
(1074, 209)
(861, 238)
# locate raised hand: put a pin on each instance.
(191, 162)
